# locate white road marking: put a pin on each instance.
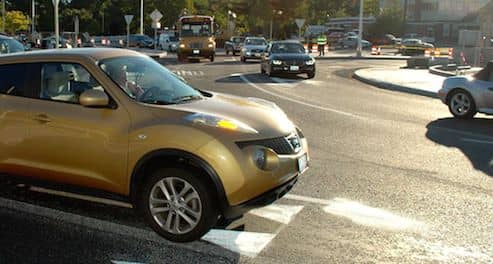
(371, 216)
(246, 243)
(124, 262)
(477, 141)
(81, 197)
(306, 199)
(278, 212)
(300, 102)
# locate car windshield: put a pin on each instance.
(10, 46)
(173, 39)
(287, 48)
(147, 81)
(196, 29)
(256, 42)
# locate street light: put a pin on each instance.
(232, 15)
(360, 33)
(57, 31)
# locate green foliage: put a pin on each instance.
(15, 21)
(389, 21)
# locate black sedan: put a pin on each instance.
(288, 57)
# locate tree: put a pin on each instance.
(15, 21)
(389, 21)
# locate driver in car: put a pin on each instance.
(119, 75)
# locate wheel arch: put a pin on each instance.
(177, 158)
(457, 89)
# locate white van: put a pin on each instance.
(168, 42)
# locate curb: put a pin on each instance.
(394, 87)
(436, 71)
(362, 58)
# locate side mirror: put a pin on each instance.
(94, 98)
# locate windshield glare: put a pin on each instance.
(10, 46)
(147, 81)
(256, 42)
(287, 48)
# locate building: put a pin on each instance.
(349, 23)
(443, 19)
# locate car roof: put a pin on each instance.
(95, 54)
(286, 41)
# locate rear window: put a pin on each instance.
(12, 79)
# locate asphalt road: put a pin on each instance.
(393, 179)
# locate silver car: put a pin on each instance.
(253, 48)
(468, 95)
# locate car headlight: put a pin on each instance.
(277, 62)
(182, 46)
(310, 62)
(210, 45)
(174, 45)
(248, 53)
(220, 122)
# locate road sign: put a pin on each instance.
(156, 25)
(156, 15)
(128, 19)
(300, 22)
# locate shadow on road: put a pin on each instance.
(473, 137)
(29, 238)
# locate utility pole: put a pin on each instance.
(33, 17)
(57, 30)
(360, 33)
(3, 16)
(141, 17)
(405, 12)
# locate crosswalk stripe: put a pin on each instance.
(245, 243)
(278, 212)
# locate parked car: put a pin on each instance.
(234, 45)
(387, 39)
(253, 48)
(426, 39)
(10, 45)
(352, 42)
(334, 37)
(49, 43)
(141, 41)
(288, 57)
(465, 96)
(414, 47)
(117, 121)
(168, 42)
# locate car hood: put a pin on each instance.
(263, 116)
(290, 56)
(251, 47)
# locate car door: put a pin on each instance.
(486, 87)
(71, 143)
(14, 118)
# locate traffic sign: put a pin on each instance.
(156, 15)
(300, 22)
(156, 25)
(128, 19)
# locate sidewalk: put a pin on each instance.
(420, 82)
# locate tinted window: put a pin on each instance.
(257, 42)
(12, 79)
(287, 48)
(65, 82)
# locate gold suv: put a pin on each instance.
(116, 121)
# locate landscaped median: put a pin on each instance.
(420, 82)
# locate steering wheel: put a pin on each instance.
(154, 91)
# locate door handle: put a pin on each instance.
(42, 118)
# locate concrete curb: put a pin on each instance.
(393, 87)
(362, 58)
(436, 71)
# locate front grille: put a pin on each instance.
(257, 50)
(294, 63)
(281, 145)
(196, 45)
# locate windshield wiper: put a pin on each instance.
(185, 98)
(156, 102)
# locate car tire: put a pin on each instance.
(234, 53)
(161, 208)
(243, 59)
(461, 104)
(311, 75)
(262, 71)
(211, 58)
(227, 52)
